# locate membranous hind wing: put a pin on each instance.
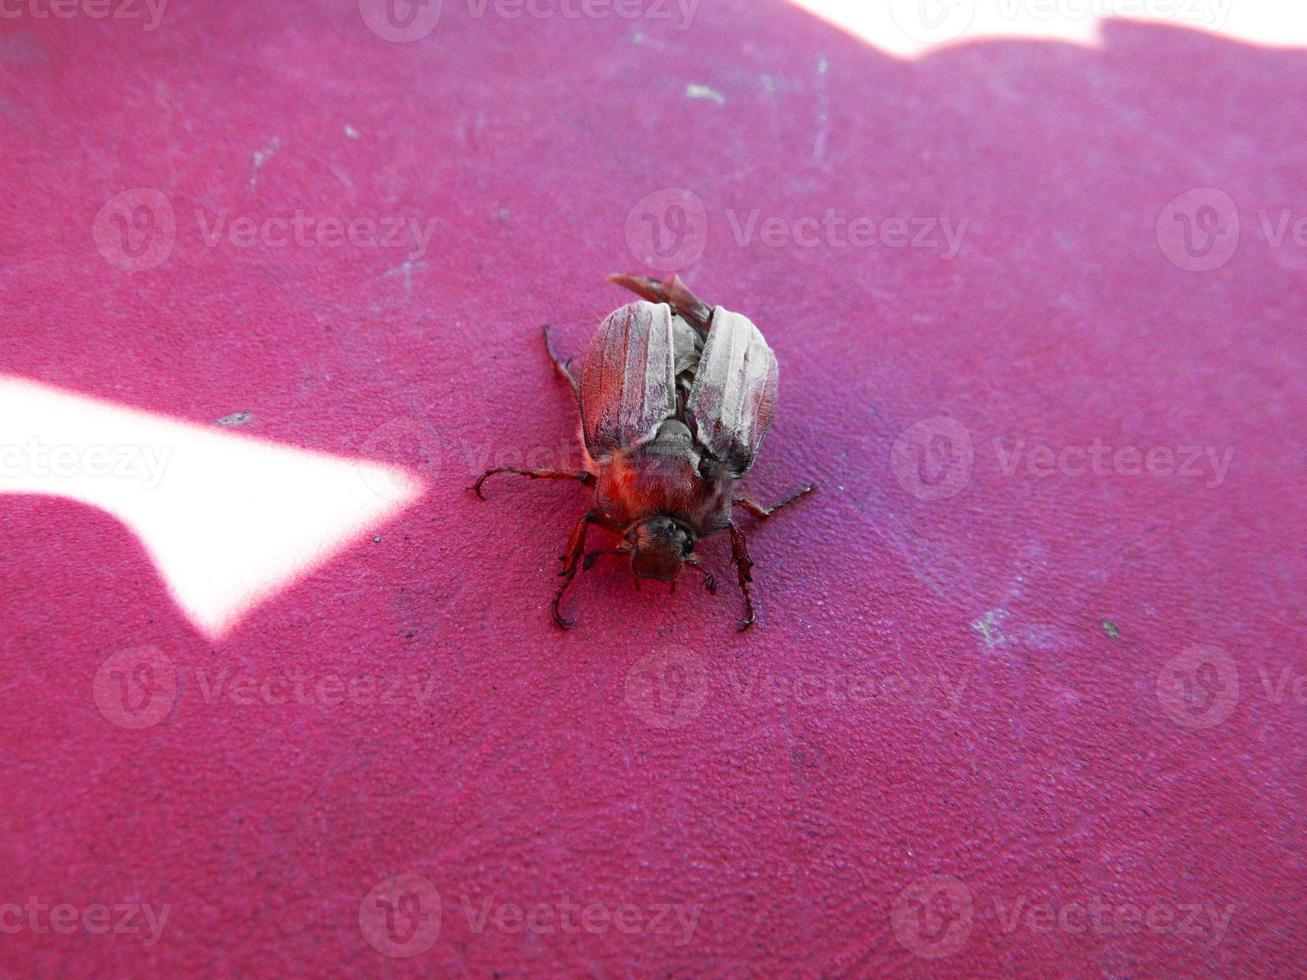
(628, 380)
(733, 399)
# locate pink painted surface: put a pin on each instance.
(931, 689)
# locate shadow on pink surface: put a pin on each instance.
(1033, 651)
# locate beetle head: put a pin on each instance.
(659, 546)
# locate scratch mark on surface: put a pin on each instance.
(344, 179)
(823, 111)
(406, 271)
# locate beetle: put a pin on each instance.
(675, 398)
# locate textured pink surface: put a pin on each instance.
(931, 689)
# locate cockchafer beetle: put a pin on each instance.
(675, 398)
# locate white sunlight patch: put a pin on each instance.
(228, 520)
(908, 28)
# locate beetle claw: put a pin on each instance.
(563, 622)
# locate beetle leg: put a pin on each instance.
(761, 512)
(743, 564)
(582, 476)
(562, 366)
(571, 560)
(709, 580)
(674, 293)
(594, 556)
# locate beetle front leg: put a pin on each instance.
(584, 477)
(744, 565)
(571, 561)
(562, 366)
(709, 580)
(761, 512)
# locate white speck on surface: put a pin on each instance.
(235, 418)
(259, 157)
(351, 132)
(696, 91)
(989, 627)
